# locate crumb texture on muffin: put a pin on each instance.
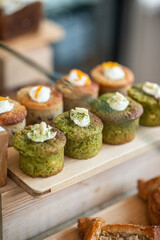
(82, 142)
(40, 158)
(151, 106)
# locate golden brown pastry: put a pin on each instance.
(77, 89)
(112, 77)
(94, 229)
(90, 228)
(150, 190)
(154, 206)
(146, 187)
(43, 103)
(12, 116)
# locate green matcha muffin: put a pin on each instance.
(148, 94)
(83, 131)
(41, 150)
(120, 117)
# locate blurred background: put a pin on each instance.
(90, 32)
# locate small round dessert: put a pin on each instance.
(12, 117)
(41, 150)
(43, 103)
(83, 131)
(147, 94)
(120, 117)
(112, 77)
(77, 89)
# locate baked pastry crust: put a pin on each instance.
(16, 115)
(97, 75)
(24, 98)
(94, 229)
(150, 190)
(72, 91)
(145, 188)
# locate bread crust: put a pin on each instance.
(94, 228)
(24, 98)
(97, 75)
(16, 115)
(74, 92)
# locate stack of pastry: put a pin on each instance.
(94, 229)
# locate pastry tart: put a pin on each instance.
(112, 77)
(148, 94)
(120, 117)
(41, 150)
(150, 191)
(94, 229)
(12, 116)
(77, 89)
(83, 131)
(43, 103)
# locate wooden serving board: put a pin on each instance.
(77, 170)
(131, 210)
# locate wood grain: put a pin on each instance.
(77, 170)
(24, 216)
(3, 158)
(131, 210)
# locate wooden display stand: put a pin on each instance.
(14, 73)
(24, 216)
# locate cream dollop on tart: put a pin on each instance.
(43, 103)
(152, 89)
(113, 71)
(80, 116)
(5, 105)
(40, 93)
(41, 132)
(12, 116)
(112, 77)
(118, 102)
(77, 88)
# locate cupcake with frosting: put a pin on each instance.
(41, 150)
(83, 131)
(12, 116)
(112, 77)
(120, 116)
(148, 94)
(77, 88)
(43, 103)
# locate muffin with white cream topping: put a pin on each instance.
(41, 150)
(148, 94)
(120, 116)
(83, 131)
(12, 116)
(43, 103)
(77, 89)
(112, 77)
